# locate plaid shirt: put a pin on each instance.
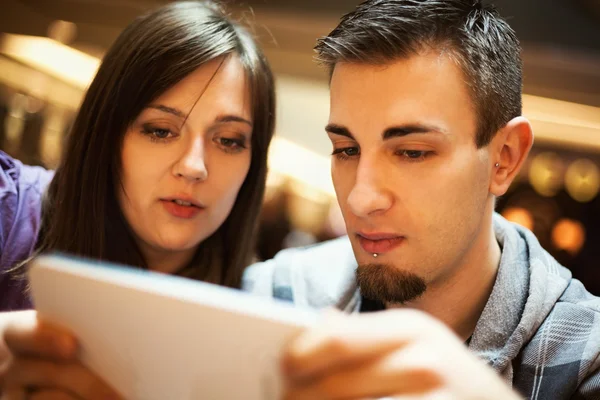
(540, 329)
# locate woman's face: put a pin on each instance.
(184, 160)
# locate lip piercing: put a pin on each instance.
(375, 255)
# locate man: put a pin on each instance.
(427, 131)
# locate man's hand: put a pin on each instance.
(403, 354)
(42, 363)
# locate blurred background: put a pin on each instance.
(50, 50)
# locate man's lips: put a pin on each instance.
(379, 242)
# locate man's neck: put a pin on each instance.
(460, 299)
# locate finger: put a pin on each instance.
(347, 340)
(71, 377)
(27, 336)
(402, 373)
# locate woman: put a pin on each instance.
(164, 169)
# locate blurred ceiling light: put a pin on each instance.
(304, 166)
(551, 118)
(568, 235)
(582, 180)
(62, 31)
(51, 57)
(520, 216)
(545, 174)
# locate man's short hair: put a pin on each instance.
(481, 42)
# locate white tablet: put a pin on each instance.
(154, 337)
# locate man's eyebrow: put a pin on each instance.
(389, 133)
(339, 130)
(174, 111)
(410, 129)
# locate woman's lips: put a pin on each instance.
(181, 211)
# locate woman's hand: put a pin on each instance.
(42, 363)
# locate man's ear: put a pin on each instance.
(510, 147)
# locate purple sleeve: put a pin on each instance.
(21, 191)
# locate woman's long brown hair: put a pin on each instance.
(81, 215)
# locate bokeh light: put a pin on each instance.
(582, 180)
(546, 174)
(568, 235)
(520, 216)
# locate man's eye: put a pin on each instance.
(413, 153)
(345, 152)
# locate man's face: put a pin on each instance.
(411, 183)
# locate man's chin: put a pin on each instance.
(385, 283)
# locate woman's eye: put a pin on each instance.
(156, 133)
(231, 144)
(161, 133)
